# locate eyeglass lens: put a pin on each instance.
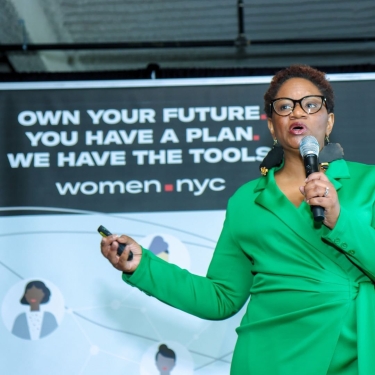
(310, 104)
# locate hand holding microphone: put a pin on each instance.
(319, 193)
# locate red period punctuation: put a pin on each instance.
(168, 187)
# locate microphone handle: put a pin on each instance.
(311, 166)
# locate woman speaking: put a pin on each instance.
(312, 306)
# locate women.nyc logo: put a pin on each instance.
(195, 186)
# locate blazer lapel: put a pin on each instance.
(273, 200)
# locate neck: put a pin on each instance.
(293, 168)
(34, 307)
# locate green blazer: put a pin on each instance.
(312, 306)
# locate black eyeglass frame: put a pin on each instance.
(299, 101)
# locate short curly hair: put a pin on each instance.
(313, 75)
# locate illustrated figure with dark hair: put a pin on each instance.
(159, 247)
(165, 359)
(34, 324)
(310, 277)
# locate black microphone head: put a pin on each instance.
(309, 145)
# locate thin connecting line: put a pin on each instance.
(200, 332)
(10, 270)
(118, 356)
(82, 330)
(122, 331)
(89, 232)
(85, 364)
(153, 326)
(114, 329)
(215, 360)
(82, 316)
(67, 210)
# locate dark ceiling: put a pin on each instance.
(114, 35)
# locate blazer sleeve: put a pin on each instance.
(218, 295)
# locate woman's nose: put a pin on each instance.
(298, 111)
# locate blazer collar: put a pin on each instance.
(337, 170)
(272, 199)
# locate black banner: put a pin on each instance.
(156, 148)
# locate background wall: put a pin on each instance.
(155, 159)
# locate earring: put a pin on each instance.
(274, 158)
(329, 153)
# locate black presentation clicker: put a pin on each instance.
(105, 232)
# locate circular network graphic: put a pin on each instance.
(32, 309)
(167, 358)
(167, 247)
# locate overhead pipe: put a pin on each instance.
(168, 44)
(240, 41)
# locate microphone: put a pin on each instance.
(309, 149)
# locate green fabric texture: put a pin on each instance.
(312, 306)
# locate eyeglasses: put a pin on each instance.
(310, 104)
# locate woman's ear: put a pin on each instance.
(270, 127)
(330, 122)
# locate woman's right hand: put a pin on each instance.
(109, 247)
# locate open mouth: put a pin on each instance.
(297, 128)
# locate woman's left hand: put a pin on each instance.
(319, 191)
